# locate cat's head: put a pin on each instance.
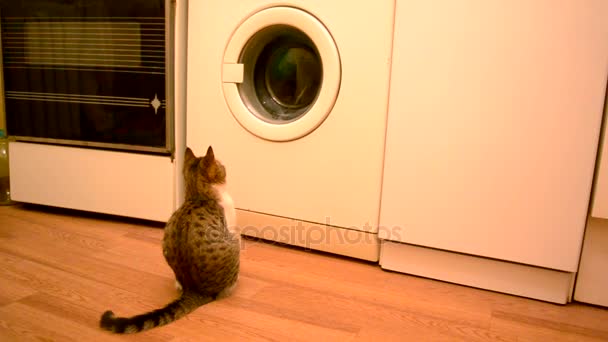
(204, 170)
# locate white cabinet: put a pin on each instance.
(494, 118)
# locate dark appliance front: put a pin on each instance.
(88, 73)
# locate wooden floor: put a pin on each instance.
(61, 269)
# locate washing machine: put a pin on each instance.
(293, 97)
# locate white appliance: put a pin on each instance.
(494, 118)
(81, 171)
(292, 96)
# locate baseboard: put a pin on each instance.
(347, 242)
(490, 274)
(110, 182)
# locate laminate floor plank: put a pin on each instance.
(60, 269)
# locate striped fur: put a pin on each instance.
(180, 307)
(198, 244)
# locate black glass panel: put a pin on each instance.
(91, 71)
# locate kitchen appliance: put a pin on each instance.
(293, 96)
(90, 100)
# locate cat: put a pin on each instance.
(200, 244)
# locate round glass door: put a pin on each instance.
(282, 74)
(289, 76)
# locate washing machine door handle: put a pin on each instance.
(232, 73)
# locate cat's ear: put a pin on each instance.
(188, 155)
(210, 157)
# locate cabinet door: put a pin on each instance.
(494, 117)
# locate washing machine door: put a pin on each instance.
(281, 73)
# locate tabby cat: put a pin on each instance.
(200, 244)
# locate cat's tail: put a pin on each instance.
(186, 303)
